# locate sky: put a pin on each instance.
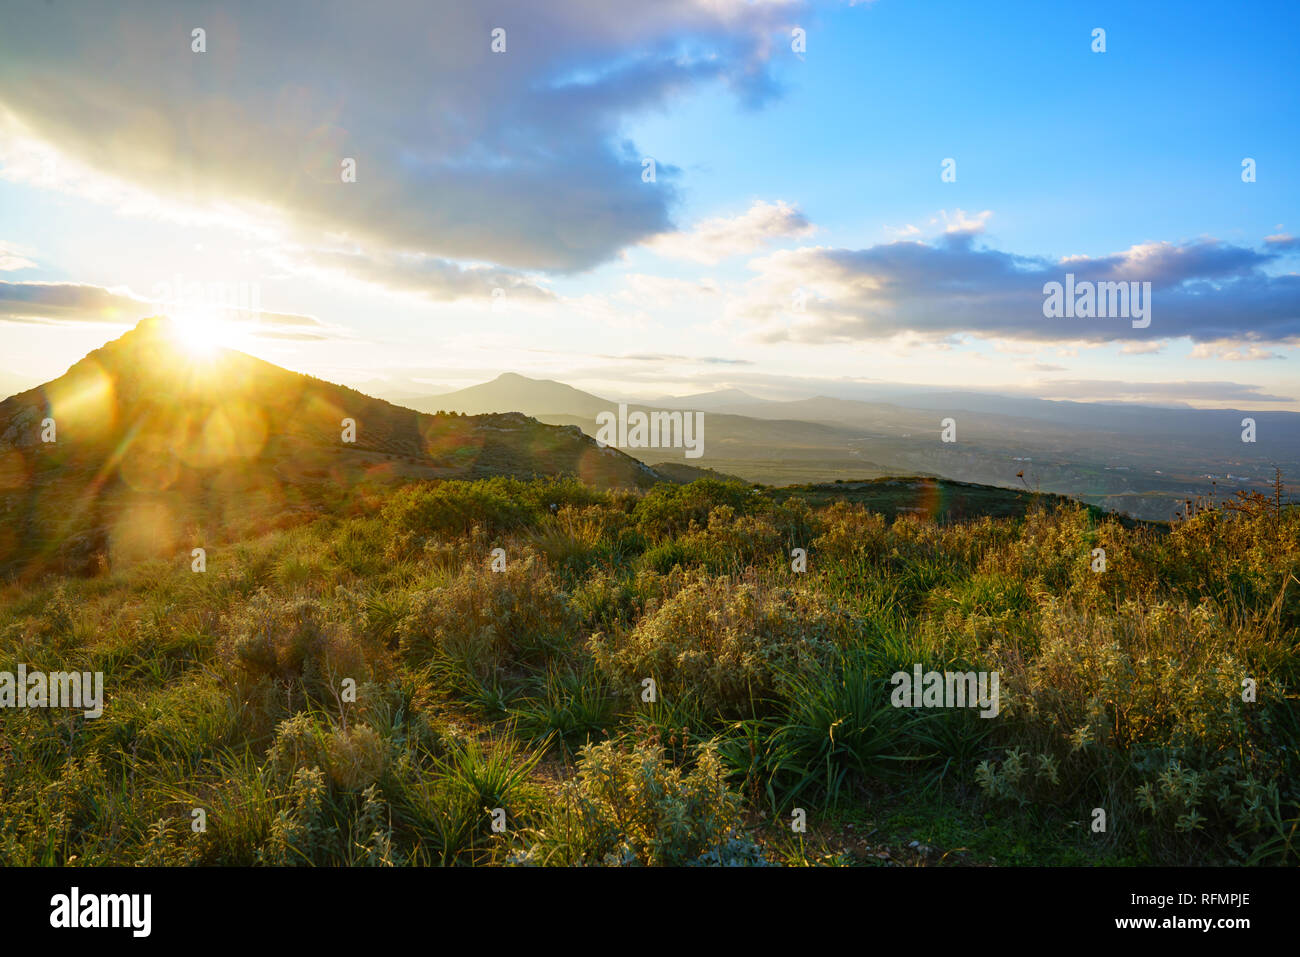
(643, 199)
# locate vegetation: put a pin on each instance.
(385, 688)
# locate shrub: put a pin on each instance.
(499, 505)
(667, 510)
(453, 508)
(300, 641)
(1162, 675)
(1019, 777)
(485, 621)
(731, 542)
(310, 829)
(630, 805)
(353, 758)
(723, 641)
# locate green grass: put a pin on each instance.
(365, 689)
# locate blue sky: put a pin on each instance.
(1076, 152)
(128, 160)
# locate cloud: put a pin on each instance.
(1232, 352)
(668, 357)
(68, 302)
(1114, 390)
(11, 258)
(1207, 290)
(644, 291)
(514, 159)
(959, 221)
(291, 336)
(47, 302)
(1147, 347)
(713, 240)
(434, 279)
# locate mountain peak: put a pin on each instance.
(149, 331)
(155, 439)
(512, 392)
(154, 326)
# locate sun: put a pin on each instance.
(200, 334)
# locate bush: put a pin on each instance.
(498, 505)
(1158, 676)
(630, 805)
(722, 641)
(485, 621)
(667, 510)
(453, 508)
(300, 641)
(311, 829)
(731, 542)
(354, 758)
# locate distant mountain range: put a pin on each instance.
(155, 448)
(1143, 460)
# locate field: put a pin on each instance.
(645, 677)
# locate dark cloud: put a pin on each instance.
(80, 302)
(511, 158)
(1207, 290)
(67, 301)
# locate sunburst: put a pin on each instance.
(202, 333)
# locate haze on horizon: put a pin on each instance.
(798, 237)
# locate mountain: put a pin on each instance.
(1143, 460)
(516, 393)
(685, 474)
(1223, 425)
(720, 400)
(11, 383)
(155, 448)
(1011, 414)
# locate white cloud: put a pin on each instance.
(11, 258)
(1114, 390)
(645, 291)
(959, 221)
(1232, 351)
(713, 240)
(1147, 347)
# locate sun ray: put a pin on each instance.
(201, 333)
